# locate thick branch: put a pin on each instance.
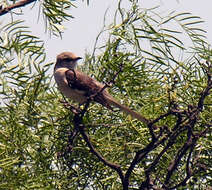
(138, 157)
(173, 166)
(188, 170)
(14, 6)
(78, 124)
(171, 137)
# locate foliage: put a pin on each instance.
(163, 68)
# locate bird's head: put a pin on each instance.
(67, 60)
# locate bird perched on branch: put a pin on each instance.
(79, 87)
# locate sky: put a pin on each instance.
(80, 33)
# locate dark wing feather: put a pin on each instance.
(81, 82)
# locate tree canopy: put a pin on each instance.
(159, 65)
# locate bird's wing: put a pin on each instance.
(81, 82)
(86, 85)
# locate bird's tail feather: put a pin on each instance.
(125, 109)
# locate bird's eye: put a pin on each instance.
(68, 59)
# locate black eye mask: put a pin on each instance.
(68, 59)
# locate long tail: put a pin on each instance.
(125, 109)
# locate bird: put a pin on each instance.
(78, 86)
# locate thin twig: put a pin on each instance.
(14, 6)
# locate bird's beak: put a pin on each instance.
(78, 58)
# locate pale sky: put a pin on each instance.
(81, 31)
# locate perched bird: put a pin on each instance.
(79, 87)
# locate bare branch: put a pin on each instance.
(79, 125)
(138, 157)
(19, 4)
(188, 170)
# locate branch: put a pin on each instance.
(206, 91)
(171, 140)
(189, 144)
(188, 170)
(79, 125)
(155, 142)
(138, 157)
(14, 6)
(151, 125)
(161, 117)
